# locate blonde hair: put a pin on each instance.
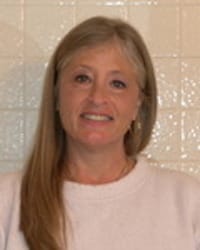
(42, 214)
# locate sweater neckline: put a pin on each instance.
(127, 184)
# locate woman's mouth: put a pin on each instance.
(96, 117)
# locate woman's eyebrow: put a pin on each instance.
(84, 66)
(114, 71)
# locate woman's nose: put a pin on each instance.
(97, 94)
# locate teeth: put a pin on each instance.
(97, 117)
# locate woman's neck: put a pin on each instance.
(97, 167)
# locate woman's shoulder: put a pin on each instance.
(9, 183)
(10, 178)
(173, 174)
(166, 175)
(176, 181)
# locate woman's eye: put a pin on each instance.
(82, 78)
(118, 84)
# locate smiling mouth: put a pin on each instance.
(95, 117)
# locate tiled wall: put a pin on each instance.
(29, 31)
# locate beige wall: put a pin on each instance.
(29, 31)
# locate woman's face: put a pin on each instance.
(98, 97)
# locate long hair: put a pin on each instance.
(43, 215)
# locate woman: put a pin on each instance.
(85, 186)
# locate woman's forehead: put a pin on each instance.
(102, 49)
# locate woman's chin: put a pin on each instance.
(97, 140)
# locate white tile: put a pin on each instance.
(191, 135)
(10, 166)
(11, 35)
(165, 142)
(104, 2)
(51, 2)
(191, 168)
(168, 80)
(45, 26)
(84, 11)
(152, 2)
(159, 25)
(11, 135)
(172, 165)
(190, 1)
(13, 2)
(11, 83)
(35, 69)
(190, 31)
(190, 83)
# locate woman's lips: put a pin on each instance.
(96, 117)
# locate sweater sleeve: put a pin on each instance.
(8, 187)
(2, 239)
(196, 217)
(197, 227)
(3, 209)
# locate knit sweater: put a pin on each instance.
(150, 208)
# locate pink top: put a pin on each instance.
(150, 208)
